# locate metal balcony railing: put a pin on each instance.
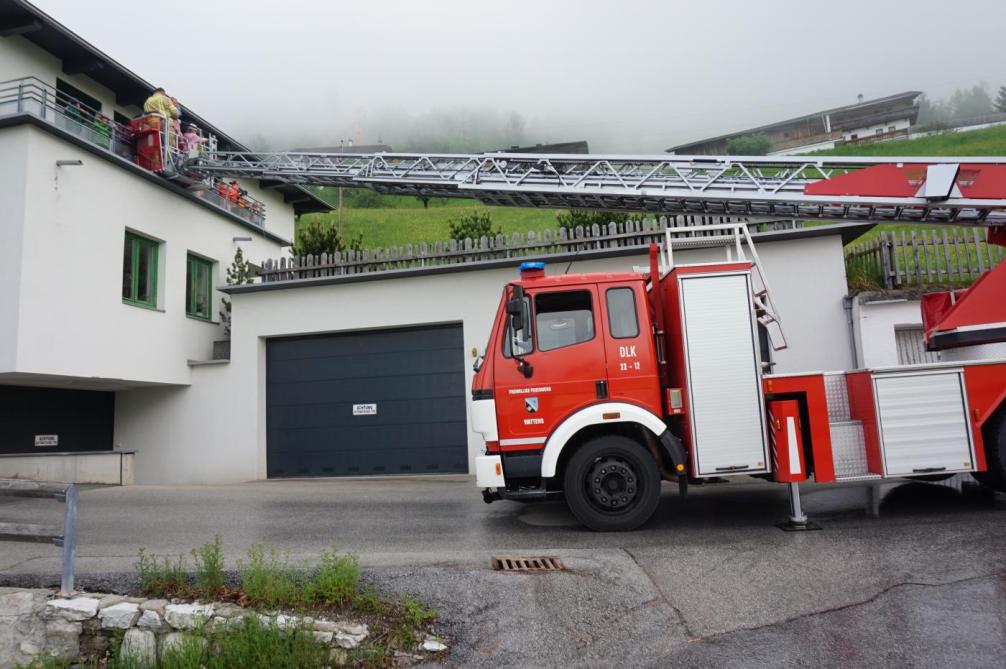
(30, 95)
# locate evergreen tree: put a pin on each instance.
(1001, 100)
(240, 272)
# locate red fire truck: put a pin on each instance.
(600, 386)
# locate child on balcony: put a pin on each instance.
(192, 142)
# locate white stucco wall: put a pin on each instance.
(12, 202)
(876, 344)
(215, 431)
(197, 434)
(71, 318)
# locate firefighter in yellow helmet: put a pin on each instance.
(160, 103)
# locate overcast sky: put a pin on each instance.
(627, 75)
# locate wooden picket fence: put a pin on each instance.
(634, 233)
(919, 258)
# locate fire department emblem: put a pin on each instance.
(531, 404)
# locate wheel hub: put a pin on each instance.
(612, 483)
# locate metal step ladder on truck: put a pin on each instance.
(599, 386)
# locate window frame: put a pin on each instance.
(192, 260)
(635, 311)
(534, 318)
(137, 242)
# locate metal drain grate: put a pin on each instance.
(538, 563)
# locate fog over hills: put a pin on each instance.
(628, 76)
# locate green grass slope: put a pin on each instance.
(398, 225)
(984, 142)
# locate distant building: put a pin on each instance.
(562, 147)
(350, 148)
(867, 121)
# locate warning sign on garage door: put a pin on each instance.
(364, 409)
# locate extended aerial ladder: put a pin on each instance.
(956, 191)
(967, 191)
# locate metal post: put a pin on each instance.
(796, 514)
(340, 213)
(873, 500)
(797, 519)
(20, 97)
(69, 539)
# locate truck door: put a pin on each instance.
(566, 353)
(632, 360)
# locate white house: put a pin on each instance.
(107, 271)
(111, 278)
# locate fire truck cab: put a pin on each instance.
(569, 398)
(599, 386)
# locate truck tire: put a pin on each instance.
(994, 436)
(612, 484)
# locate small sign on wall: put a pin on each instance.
(46, 440)
(364, 409)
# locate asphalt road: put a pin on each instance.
(709, 581)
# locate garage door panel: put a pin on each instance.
(416, 379)
(372, 365)
(373, 341)
(361, 391)
(391, 412)
(367, 450)
(362, 463)
(369, 437)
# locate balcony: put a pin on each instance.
(30, 95)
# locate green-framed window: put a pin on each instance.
(139, 270)
(199, 288)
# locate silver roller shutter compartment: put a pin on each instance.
(924, 423)
(724, 376)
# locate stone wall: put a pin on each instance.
(32, 623)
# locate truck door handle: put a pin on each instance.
(602, 389)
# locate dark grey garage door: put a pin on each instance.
(412, 379)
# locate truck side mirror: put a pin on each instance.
(517, 309)
(516, 306)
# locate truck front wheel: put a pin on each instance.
(994, 436)
(612, 484)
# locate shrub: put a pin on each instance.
(415, 613)
(161, 578)
(473, 226)
(574, 217)
(757, 144)
(368, 601)
(267, 579)
(316, 237)
(209, 565)
(252, 644)
(336, 580)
